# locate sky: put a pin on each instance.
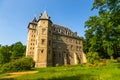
(15, 16)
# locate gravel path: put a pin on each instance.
(17, 74)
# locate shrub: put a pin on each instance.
(96, 64)
(89, 65)
(101, 64)
(92, 57)
(57, 65)
(118, 59)
(18, 65)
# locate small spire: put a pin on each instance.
(45, 10)
(34, 19)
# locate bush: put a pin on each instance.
(101, 64)
(18, 65)
(96, 64)
(93, 57)
(118, 59)
(57, 65)
(89, 65)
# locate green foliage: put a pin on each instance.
(12, 52)
(57, 65)
(18, 65)
(18, 48)
(118, 59)
(102, 34)
(107, 5)
(4, 54)
(92, 57)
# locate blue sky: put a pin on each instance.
(16, 14)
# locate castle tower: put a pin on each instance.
(43, 49)
(31, 38)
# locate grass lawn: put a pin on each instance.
(79, 72)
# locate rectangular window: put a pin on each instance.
(54, 29)
(43, 31)
(54, 37)
(54, 54)
(59, 54)
(77, 48)
(42, 51)
(77, 42)
(54, 45)
(59, 30)
(43, 41)
(67, 47)
(80, 48)
(59, 38)
(71, 47)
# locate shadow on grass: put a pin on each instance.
(78, 77)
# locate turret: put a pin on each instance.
(43, 54)
(31, 38)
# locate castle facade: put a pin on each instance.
(50, 44)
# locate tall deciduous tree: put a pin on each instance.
(18, 50)
(4, 54)
(14, 51)
(102, 34)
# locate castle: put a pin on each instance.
(50, 44)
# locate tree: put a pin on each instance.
(113, 7)
(107, 5)
(14, 51)
(4, 54)
(92, 57)
(18, 50)
(102, 34)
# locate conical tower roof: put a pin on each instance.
(34, 19)
(44, 15)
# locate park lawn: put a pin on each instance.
(79, 72)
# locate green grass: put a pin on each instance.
(80, 72)
(2, 75)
